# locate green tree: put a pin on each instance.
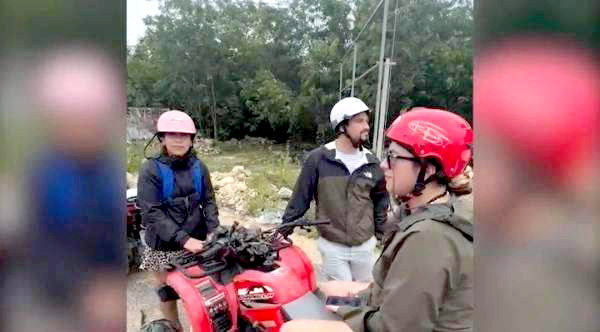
(257, 69)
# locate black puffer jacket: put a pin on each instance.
(188, 213)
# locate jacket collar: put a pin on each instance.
(330, 149)
(175, 162)
(454, 212)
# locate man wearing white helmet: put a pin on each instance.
(348, 186)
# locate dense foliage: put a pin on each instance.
(247, 68)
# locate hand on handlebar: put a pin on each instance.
(193, 245)
(287, 228)
(286, 231)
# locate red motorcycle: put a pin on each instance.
(246, 280)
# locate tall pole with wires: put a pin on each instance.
(382, 65)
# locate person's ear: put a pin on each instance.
(431, 170)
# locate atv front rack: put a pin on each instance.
(187, 260)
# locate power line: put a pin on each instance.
(363, 29)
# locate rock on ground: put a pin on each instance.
(231, 188)
(285, 193)
(205, 146)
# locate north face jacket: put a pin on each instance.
(355, 204)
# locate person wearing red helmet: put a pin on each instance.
(177, 202)
(423, 280)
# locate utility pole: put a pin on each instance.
(383, 107)
(378, 135)
(214, 106)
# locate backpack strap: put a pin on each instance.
(197, 176)
(167, 178)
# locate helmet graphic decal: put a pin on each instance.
(430, 132)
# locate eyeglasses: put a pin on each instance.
(389, 156)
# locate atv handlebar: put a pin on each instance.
(239, 246)
(302, 223)
(294, 224)
(209, 258)
(286, 229)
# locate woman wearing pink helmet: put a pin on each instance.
(423, 280)
(177, 201)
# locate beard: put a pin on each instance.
(360, 140)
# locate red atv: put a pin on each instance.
(246, 280)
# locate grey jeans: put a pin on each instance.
(341, 262)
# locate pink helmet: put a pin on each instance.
(175, 122)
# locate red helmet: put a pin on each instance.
(541, 99)
(435, 134)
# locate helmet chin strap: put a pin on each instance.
(148, 144)
(420, 184)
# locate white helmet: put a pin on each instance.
(346, 109)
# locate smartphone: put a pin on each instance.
(343, 300)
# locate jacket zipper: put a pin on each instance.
(350, 177)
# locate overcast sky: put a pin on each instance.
(138, 9)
